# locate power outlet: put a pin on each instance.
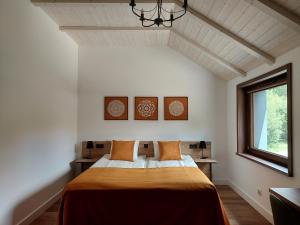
(193, 146)
(99, 145)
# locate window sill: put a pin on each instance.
(271, 165)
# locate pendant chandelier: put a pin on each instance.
(158, 15)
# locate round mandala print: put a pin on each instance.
(116, 108)
(176, 108)
(146, 108)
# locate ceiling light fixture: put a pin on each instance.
(163, 16)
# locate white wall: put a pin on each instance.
(247, 176)
(38, 109)
(150, 72)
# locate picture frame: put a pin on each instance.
(176, 108)
(115, 108)
(146, 108)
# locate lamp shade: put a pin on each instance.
(202, 145)
(90, 145)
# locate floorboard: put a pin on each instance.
(238, 210)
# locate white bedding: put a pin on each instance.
(143, 162)
(187, 161)
(106, 162)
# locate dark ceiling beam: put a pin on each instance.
(247, 46)
(278, 12)
(106, 28)
(212, 55)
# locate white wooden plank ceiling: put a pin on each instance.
(228, 37)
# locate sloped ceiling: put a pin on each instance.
(228, 37)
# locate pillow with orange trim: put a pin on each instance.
(122, 150)
(169, 150)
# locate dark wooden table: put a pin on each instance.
(290, 196)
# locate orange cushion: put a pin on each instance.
(169, 150)
(122, 150)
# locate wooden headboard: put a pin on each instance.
(146, 148)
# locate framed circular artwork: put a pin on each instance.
(116, 108)
(146, 108)
(176, 108)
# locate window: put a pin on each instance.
(270, 120)
(264, 118)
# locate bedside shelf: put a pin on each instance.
(199, 160)
(86, 160)
(209, 161)
(85, 163)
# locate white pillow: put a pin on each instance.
(156, 150)
(135, 149)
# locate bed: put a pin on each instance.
(144, 192)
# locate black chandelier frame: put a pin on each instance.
(158, 11)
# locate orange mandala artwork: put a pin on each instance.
(176, 108)
(146, 108)
(116, 108)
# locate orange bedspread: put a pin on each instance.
(158, 196)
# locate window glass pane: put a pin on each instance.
(270, 120)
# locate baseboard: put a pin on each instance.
(41, 209)
(256, 205)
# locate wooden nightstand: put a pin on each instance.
(85, 163)
(206, 161)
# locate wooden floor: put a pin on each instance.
(238, 210)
